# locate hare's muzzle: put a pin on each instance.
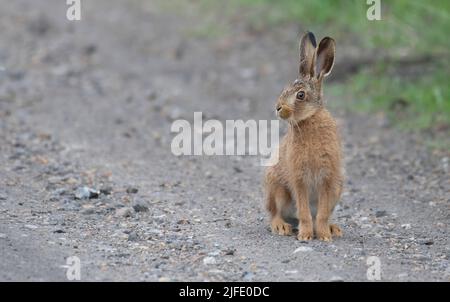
(283, 111)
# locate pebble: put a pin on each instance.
(209, 260)
(303, 249)
(183, 221)
(406, 226)
(248, 276)
(30, 226)
(2, 197)
(214, 253)
(133, 236)
(60, 191)
(132, 190)
(124, 212)
(229, 252)
(140, 207)
(151, 95)
(380, 213)
(106, 190)
(426, 242)
(87, 211)
(86, 193)
(3, 236)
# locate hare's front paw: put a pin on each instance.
(281, 227)
(305, 233)
(323, 232)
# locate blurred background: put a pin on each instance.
(398, 66)
(86, 109)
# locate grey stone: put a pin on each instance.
(86, 193)
(124, 212)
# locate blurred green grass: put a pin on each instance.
(414, 97)
(408, 51)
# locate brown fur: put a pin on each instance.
(309, 168)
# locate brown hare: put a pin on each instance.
(307, 180)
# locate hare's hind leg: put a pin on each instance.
(278, 198)
(335, 230)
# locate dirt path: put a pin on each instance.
(91, 103)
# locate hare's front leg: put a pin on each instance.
(327, 198)
(277, 199)
(305, 228)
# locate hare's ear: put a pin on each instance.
(307, 55)
(325, 57)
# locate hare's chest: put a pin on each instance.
(307, 167)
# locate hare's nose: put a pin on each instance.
(278, 108)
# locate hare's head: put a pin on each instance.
(302, 98)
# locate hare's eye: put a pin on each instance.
(301, 95)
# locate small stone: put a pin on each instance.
(124, 212)
(90, 49)
(406, 226)
(163, 279)
(133, 236)
(426, 242)
(230, 252)
(2, 197)
(87, 211)
(248, 276)
(140, 207)
(86, 193)
(151, 95)
(379, 214)
(303, 249)
(3, 236)
(215, 253)
(58, 231)
(132, 190)
(209, 261)
(30, 226)
(106, 190)
(59, 192)
(237, 169)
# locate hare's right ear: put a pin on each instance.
(307, 55)
(325, 57)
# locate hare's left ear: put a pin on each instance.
(325, 57)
